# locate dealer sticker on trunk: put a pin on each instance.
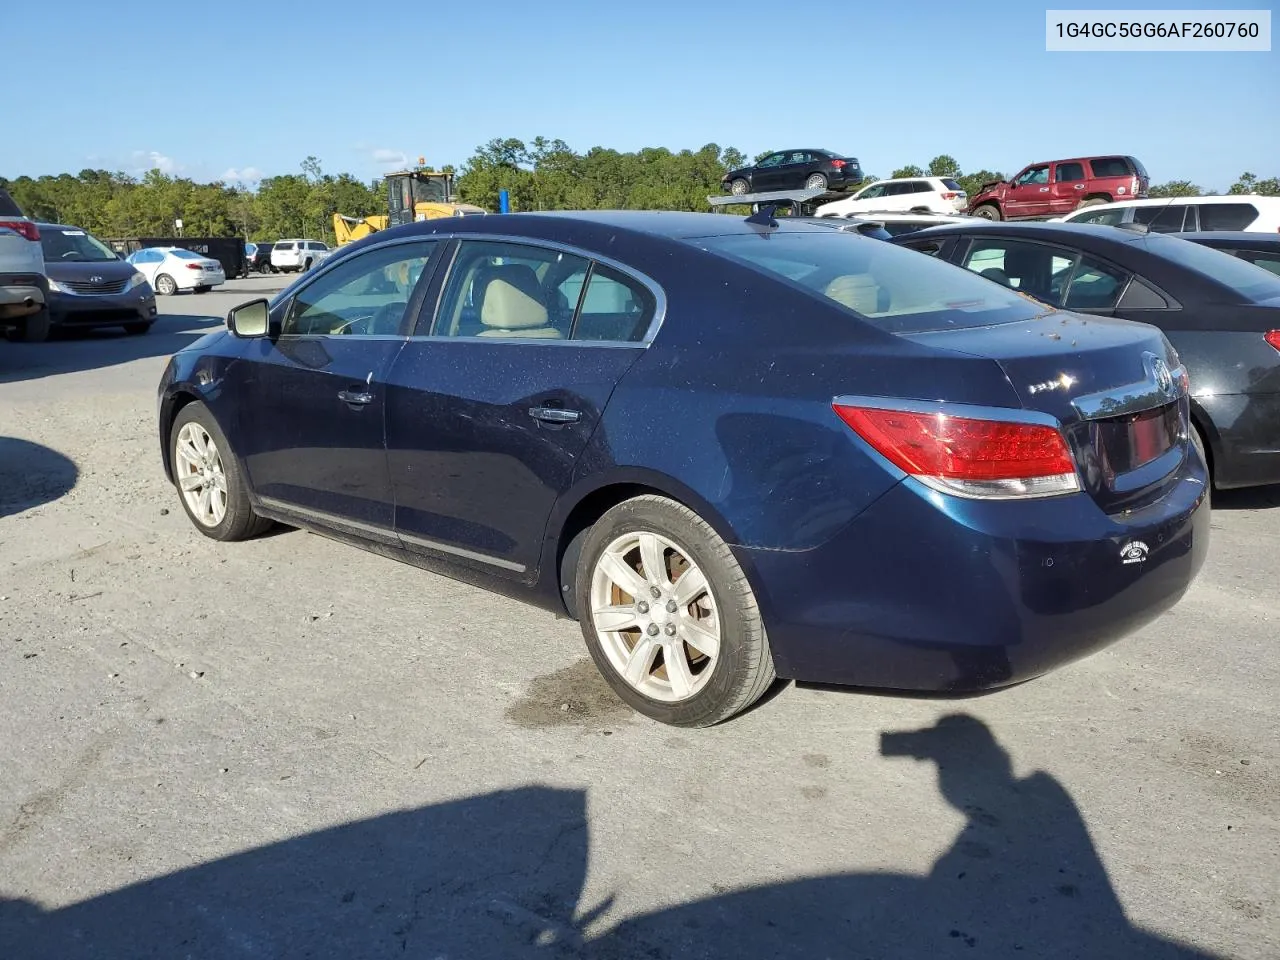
(1135, 551)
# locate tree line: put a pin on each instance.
(540, 175)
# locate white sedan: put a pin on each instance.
(170, 269)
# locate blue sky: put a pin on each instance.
(188, 87)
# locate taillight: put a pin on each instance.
(970, 457)
(27, 229)
(1272, 337)
(194, 266)
(950, 196)
(837, 163)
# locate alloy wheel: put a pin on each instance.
(201, 475)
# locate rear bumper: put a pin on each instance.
(20, 296)
(1247, 452)
(930, 593)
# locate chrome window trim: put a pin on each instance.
(655, 289)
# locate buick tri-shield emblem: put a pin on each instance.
(1158, 371)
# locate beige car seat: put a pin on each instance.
(857, 291)
(511, 304)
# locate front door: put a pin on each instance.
(1028, 195)
(487, 417)
(312, 430)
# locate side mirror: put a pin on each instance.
(252, 319)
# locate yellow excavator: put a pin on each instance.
(411, 195)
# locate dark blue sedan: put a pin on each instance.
(733, 450)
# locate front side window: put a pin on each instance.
(367, 295)
(892, 288)
(1108, 217)
(1033, 177)
(773, 160)
(873, 192)
(1267, 261)
(1251, 283)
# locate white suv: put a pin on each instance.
(1248, 212)
(920, 194)
(298, 255)
(24, 287)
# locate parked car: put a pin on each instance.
(259, 260)
(1060, 186)
(1220, 313)
(804, 169)
(173, 269)
(660, 456)
(90, 286)
(1247, 212)
(917, 194)
(298, 256)
(896, 224)
(1259, 249)
(24, 288)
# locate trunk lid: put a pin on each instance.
(1115, 386)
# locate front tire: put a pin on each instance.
(739, 187)
(165, 285)
(988, 211)
(210, 483)
(668, 615)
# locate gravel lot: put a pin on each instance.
(291, 748)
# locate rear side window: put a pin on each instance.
(921, 186)
(1069, 172)
(951, 184)
(1227, 216)
(1168, 219)
(1267, 261)
(892, 288)
(1111, 167)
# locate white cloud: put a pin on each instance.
(391, 159)
(242, 175)
(155, 160)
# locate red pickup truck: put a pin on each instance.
(1060, 186)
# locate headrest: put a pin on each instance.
(511, 298)
(857, 291)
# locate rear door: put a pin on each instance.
(488, 411)
(1068, 188)
(311, 433)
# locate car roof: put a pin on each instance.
(981, 226)
(58, 226)
(1157, 201)
(670, 224)
(1241, 237)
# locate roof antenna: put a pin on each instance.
(763, 217)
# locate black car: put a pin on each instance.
(1261, 249)
(90, 285)
(804, 169)
(1220, 313)
(730, 447)
(258, 258)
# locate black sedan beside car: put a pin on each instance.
(804, 169)
(1260, 249)
(1221, 313)
(90, 285)
(731, 448)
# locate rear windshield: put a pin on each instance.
(1251, 282)
(893, 288)
(68, 245)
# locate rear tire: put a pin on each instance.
(237, 520)
(36, 327)
(663, 615)
(816, 181)
(988, 211)
(306, 266)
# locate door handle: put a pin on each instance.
(554, 414)
(357, 399)
(1044, 189)
(1079, 186)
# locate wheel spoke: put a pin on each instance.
(620, 572)
(199, 442)
(640, 661)
(706, 642)
(609, 619)
(192, 481)
(678, 672)
(691, 585)
(206, 501)
(220, 482)
(187, 453)
(652, 555)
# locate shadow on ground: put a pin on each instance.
(1248, 498)
(501, 876)
(72, 351)
(31, 475)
